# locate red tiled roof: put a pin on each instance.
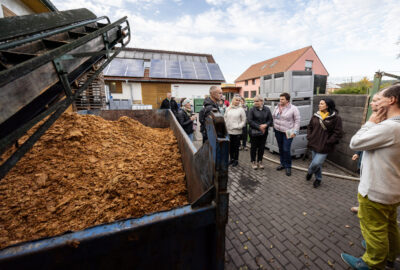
(277, 64)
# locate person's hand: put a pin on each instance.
(378, 116)
(354, 157)
(193, 118)
(293, 135)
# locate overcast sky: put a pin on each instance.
(351, 37)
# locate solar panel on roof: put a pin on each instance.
(157, 69)
(125, 68)
(135, 68)
(173, 70)
(202, 71)
(117, 68)
(188, 71)
(215, 71)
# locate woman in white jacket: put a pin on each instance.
(235, 120)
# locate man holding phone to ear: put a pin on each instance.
(379, 188)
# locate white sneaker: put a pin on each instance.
(260, 165)
(254, 165)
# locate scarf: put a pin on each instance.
(324, 115)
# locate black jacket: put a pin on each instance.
(208, 106)
(258, 117)
(185, 121)
(321, 140)
(166, 104)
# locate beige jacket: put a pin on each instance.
(235, 119)
(380, 165)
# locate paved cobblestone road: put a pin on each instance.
(280, 222)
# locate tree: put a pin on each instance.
(360, 87)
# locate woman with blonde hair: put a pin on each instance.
(235, 119)
(260, 119)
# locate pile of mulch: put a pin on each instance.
(86, 171)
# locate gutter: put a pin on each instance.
(49, 5)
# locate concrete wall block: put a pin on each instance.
(344, 161)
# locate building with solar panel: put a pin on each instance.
(142, 76)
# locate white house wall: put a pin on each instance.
(190, 90)
(15, 6)
(136, 90)
(132, 91)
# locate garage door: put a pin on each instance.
(155, 93)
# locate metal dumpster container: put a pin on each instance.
(188, 237)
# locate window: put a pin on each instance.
(253, 93)
(246, 94)
(115, 87)
(246, 82)
(308, 65)
(146, 64)
(273, 64)
(254, 81)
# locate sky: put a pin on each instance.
(353, 38)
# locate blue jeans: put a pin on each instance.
(316, 164)
(191, 136)
(284, 148)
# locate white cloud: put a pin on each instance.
(240, 33)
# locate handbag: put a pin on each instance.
(322, 124)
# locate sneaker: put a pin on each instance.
(260, 165)
(280, 168)
(308, 176)
(354, 209)
(317, 183)
(235, 163)
(353, 262)
(254, 165)
(231, 162)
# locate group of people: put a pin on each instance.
(323, 132)
(378, 142)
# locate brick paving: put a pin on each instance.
(280, 222)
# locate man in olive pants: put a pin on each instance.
(379, 188)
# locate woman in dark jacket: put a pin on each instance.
(323, 133)
(185, 118)
(260, 119)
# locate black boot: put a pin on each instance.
(288, 171)
(235, 163)
(308, 176)
(317, 183)
(280, 168)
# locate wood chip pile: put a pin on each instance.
(86, 171)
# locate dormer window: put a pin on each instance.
(146, 64)
(308, 65)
